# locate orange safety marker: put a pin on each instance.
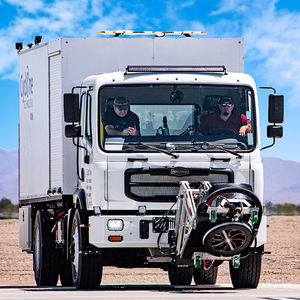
(115, 238)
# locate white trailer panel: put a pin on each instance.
(34, 124)
(201, 52)
(47, 158)
(56, 120)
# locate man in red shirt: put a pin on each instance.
(224, 121)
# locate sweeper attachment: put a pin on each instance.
(215, 224)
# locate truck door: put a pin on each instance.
(85, 151)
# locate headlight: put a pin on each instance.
(115, 225)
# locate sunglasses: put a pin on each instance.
(122, 107)
(226, 104)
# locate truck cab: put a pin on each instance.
(145, 170)
(138, 175)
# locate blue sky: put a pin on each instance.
(271, 29)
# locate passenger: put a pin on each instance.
(224, 121)
(121, 121)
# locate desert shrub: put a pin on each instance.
(289, 209)
(7, 208)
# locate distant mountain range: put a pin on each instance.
(9, 175)
(282, 178)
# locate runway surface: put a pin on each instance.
(149, 292)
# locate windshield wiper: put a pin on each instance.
(216, 146)
(174, 155)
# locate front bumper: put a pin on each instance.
(133, 234)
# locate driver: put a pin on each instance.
(226, 117)
(121, 121)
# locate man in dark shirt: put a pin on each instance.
(120, 121)
(226, 118)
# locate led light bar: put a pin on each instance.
(117, 33)
(202, 69)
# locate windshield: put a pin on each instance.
(176, 118)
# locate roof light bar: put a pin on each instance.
(117, 33)
(202, 69)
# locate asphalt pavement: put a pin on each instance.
(149, 292)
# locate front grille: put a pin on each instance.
(158, 185)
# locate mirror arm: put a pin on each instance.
(268, 88)
(269, 146)
(79, 146)
(78, 87)
(77, 162)
(86, 158)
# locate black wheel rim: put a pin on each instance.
(227, 239)
(230, 239)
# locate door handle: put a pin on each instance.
(131, 159)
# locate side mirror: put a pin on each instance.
(71, 108)
(72, 131)
(276, 110)
(275, 131)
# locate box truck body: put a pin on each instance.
(52, 69)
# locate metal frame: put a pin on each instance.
(186, 213)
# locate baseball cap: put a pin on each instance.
(225, 99)
(121, 103)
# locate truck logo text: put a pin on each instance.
(26, 89)
(180, 172)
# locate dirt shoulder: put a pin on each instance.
(281, 266)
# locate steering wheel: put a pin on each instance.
(242, 140)
(221, 130)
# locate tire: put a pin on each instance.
(66, 278)
(248, 274)
(86, 269)
(202, 276)
(46, 258)
(180, 275)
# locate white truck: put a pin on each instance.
(170, 197)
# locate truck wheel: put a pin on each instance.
(46, 257)
(86, 267)
(248, 274)
(202, 276)
(66, 278)
(180, 275)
